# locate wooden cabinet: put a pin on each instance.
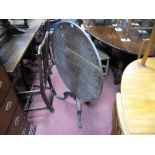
(8, 108)
(16, 122)
(4, 83)
(12, 119)
(25, 130)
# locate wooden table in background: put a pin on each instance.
(111, 37)
(136, 103)
(12, 51)
(121, 53)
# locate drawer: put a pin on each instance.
(25, 128)
(17, 122)
(7, 110)
(4, 83)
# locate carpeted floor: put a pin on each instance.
(96, 118)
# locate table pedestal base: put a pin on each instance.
(78, 105)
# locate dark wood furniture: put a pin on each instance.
(80, 66)
(12, 119)
(14, 48)
(12, 51)
(108, 35)
(121, 52)
(42, 66)
(78, 63)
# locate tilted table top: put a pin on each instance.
(77, 61)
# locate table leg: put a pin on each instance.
(78, 107)
(67, 93)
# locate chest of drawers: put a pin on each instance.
(12, 119)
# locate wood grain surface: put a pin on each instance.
(12, 51)
(77, 61)
(136, 106)
(108, 35)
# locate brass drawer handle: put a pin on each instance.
(8, 105)
(24, 131)
(17, 121)
(1, 84)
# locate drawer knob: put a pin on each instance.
(1, 84)
(24, 131)
(16, 120)
(8, 105)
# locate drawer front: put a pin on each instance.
(7, 111)
(4, 83)
(16, 123)
(25, 128)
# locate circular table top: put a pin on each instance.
(110, 36)
(136, 103)
(77, 61)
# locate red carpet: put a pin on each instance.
(96, 118)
